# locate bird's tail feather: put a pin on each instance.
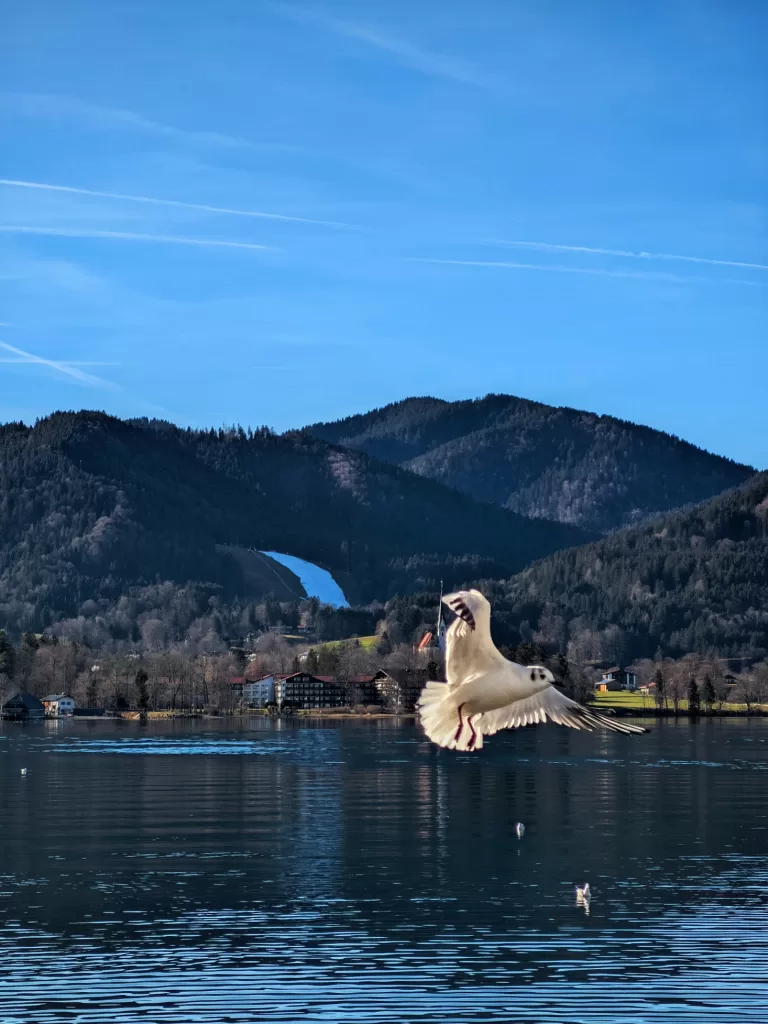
(442, 721)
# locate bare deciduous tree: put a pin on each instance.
(678, 676)
(752, 689)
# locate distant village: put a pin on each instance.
(281, 693)
(286, 670)
(392, 689)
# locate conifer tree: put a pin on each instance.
(694, 700)
(142, 692)
(709, 696)
(658, 678)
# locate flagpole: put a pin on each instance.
(440, 613)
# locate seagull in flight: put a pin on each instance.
(485, 692)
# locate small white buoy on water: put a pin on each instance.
(519, 829)
(23, 771)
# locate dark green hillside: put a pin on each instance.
(575, 467)
(91, 506)
(688, 581)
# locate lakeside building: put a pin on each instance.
(57, 704)
(394, 690)
(259, 692)
(23, 707)
(616, 678)
(305, 690)
(399, 690)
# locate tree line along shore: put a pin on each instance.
(183, 680)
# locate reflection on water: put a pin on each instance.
(348, 871)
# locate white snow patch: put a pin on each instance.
(317, 582)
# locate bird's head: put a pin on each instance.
(541, 677)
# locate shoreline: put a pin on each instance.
(317, 714)
(337, 714)
(619, 711)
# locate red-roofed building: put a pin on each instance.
(255, 689)
(304, 690)
(399, 690)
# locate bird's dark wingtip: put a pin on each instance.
(460, 608)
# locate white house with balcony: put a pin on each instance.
(616, 678)
(58, 704)
(259, 692)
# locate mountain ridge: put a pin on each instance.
(107, 523)
(553, 462)
(691, 580)
(91, 505)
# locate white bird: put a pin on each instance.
(519, 829)
(485, 692)
(583, 896)
(23, 771)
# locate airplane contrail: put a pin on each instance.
(132, 236)
(624, 253)
(648, 275)
(154, 201)
(67, 368)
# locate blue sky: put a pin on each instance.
(280, 213)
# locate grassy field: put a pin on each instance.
(364, 641)
(629, 701)
(622, 699)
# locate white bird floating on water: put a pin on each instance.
(485, 692)
(23, 771)
(583, 896)
(519, 829)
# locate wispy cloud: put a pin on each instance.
(55, 106)
(65, 362)
(154, 201)
(67, 369)
(417, 58)
(131, 236)
(648, 275)
(624, 253)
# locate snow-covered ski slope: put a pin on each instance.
(317, 582)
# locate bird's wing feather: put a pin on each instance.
(469, 649)
(549, 703)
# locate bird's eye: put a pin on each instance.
(533, 676)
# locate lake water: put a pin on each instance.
(208, 872)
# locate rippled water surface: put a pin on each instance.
(209, 872)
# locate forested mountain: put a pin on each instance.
(133, 531)
(92, 506)
(576, 467)
(687, 582)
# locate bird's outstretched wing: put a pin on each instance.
(469, 650)
(549, 703)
